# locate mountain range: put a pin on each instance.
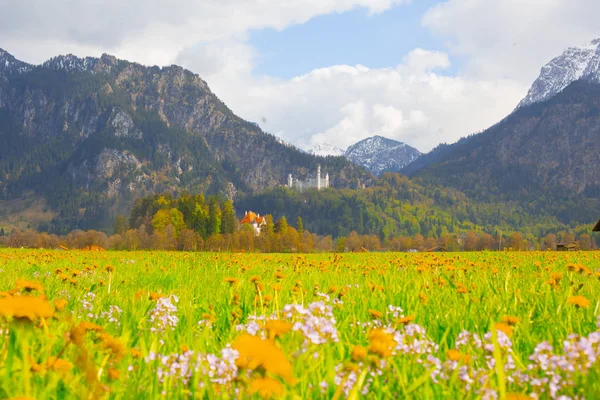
(81, 138)
(89, 135)
(376, 154)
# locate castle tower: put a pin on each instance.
(290, 181)
(326, 180)
(319, 177)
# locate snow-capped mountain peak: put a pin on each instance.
(579, 62)
(379, 154)
(325, 149)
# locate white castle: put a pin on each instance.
(310, 182)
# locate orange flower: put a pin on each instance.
(510, 320)
(256, 352)
(59, 365)
(405, 320)
(155, 296)
(266, 387)
(135, 353)
(29, 286)
(28, 307)
(456, 355)
(579, 301)
(502, 327)
(358, 353)
(382, 343)
(279, 275)
(375, 314)
(114, 374)
(277, 328)
(109, 342)
(59, 304)
(231, 281)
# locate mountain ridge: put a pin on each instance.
(93, 133)
(575, 63)
(379, 154)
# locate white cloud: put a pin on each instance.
(512, 38)
(503, 43)
(344, 104)
(151, 31)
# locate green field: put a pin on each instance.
(385, 325)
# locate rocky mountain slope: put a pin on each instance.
(378, 154)
(581, 62)
(545, 153)
(91, 134)
(325, 150)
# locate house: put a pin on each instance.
(563, 246)
(597, 227)
(436, 249)
(255, 220)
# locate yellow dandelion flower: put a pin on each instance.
(277, 328)
(382, 343)
(573, 267)
(28, 307)
(502, 327)
(510, 320)
(579, 301)
(114, 374)
(231, 281)
(517, 396)
(29, 286)
(279, 275)
(266, 387)
(405, 320)
(116, 348)
(135, 353)
(155, 296)
(375, 314)
(455, 355)
(255, 352)
(358, 353)
(59, 365)
(60, 304)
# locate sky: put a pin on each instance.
(326, 71)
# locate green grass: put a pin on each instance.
(426, 286)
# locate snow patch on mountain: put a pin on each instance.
(580, 62)
(325, 149)
(378, 154)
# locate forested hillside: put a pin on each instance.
(91, 135)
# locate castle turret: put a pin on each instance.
(290, 181)
(319, 177)
(326, 180)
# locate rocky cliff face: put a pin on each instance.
(111, 129)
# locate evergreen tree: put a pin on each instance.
(200, 220)
(228, 218)
(299, 225)
(282, 225)
(214, 217)
(121, 224)
(270, 226)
